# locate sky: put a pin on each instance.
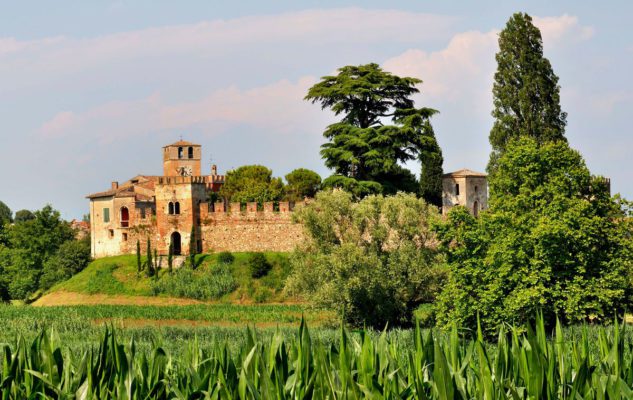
(91, 91)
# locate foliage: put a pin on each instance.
(373, 260)
(139, 262)
(521, 366)
(28, 245)
(192, 247)
(362, 147)
(550, 240)
(526, 92)
(431, 174)
(252, 183)
(204, 285)
(72, 257)
(170, 258)
(258, 265)
(149, 271)
(302, 183)
(225, 257)
(6, 215)
(23, 215)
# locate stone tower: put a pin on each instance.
(465, 188)
(181, 159)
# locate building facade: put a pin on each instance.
(169, 209)
(465, 188)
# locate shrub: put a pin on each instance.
(258, 265)
(226, 257)
(72, 257)
(201, 285)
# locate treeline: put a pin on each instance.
(553, 238)
(37, 250)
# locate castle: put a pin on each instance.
(168, 209)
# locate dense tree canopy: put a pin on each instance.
(6, 216)
(526, 92)
(302, 183)
(371, 260)
(23, 215)
(252, 183)
(28, 245)
(380, 129)
(552, 239)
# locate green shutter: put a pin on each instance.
(106, 215)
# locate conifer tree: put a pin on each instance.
(139, 264)
(526, 93)
(192, 248)
(150, 263)
(157, 261)
(170, 258)
(431, 174)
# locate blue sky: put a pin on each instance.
(90, 91)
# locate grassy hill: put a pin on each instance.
(117, 277)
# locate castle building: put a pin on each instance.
(466, 188)
(168, 209)
(178, 209)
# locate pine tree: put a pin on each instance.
(525, 91)
(157, 261)
(192, 248)
(170, 258)
(139, 264)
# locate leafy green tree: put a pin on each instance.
(6, 216)
(252, 183)
(374, 260)
(526, 92)
(364, 147)
(552, 239)
(23, 216)
(302, 183)
(72, 257)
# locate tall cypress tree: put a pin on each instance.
(526, 92)
(192, 248)
(170, 258)
(431, 174)
(139, 264)
(150, 264)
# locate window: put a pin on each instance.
(170, 208)
(142, 212)
(125, 217)
(190, 152)
(111, 231)
(476, 189)
(106, 215)
(177, 208)
(457, 190)
(180, 152)
(125, 237)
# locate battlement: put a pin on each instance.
(174, 180)
(235, 208)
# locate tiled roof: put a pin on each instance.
(182, 143)
(107, 193)
(466, 172)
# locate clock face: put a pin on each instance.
(185, 170)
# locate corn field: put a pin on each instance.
(522, 364)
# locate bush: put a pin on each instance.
(258, 265)
(425, 315)
(72, 257)
(226, 257)
(201, 285)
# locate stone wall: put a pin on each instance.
(250, 229)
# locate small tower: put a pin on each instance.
(465, 188)
(181, 159)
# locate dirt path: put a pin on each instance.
(63, 298)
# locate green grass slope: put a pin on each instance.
(118, 276)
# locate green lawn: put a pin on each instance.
(119, 276)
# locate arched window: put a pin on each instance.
(177, 208)
(475, 208)
(457, 189)
(180, 152)
(190, 152)
(171, 208)
(125, 217)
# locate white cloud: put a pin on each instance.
(558, 30)
(278, 107)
